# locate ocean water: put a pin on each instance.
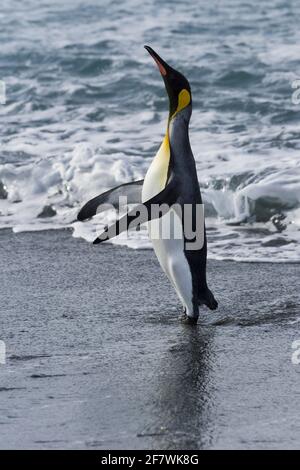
(86, 110)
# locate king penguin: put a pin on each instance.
(172, 183)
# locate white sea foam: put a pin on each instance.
(233, 232)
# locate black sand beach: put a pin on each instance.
(97, 358)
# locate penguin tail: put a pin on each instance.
(207, 298)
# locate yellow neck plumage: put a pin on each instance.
(163, 155)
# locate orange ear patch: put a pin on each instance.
(184, 99)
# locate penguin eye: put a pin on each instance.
(174, 82)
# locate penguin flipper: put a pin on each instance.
(142, 213)
(132, 191)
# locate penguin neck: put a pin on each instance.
(178, 132)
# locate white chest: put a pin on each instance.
(156, 176)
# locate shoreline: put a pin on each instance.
(143, 248)
(97, 357)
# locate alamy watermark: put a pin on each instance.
(2, 92)
(2, 352)
(296, 93)
(181, 222)
(296, 354)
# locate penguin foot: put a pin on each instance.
(208, 299)
(188, 320)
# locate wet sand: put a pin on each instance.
(97, 358)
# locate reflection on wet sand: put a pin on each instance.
(184, 392)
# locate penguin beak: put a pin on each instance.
(162, 65)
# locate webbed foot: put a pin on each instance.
(187, 320)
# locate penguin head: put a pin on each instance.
(177, 86)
